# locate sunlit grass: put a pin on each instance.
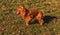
(13, 24)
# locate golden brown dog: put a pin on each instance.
(28, 15)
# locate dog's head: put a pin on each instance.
(20, 9)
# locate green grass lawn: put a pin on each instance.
(13, 24)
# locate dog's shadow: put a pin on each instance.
(46, 19)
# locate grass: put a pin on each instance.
(13, 24)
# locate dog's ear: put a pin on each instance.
(22, 6)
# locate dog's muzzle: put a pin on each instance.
(18, 12)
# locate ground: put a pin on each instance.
(13, 24)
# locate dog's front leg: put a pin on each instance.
(27, 19)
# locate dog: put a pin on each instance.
(28, 15)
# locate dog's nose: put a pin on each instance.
(18, 13)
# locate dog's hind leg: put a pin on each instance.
(40, 19)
